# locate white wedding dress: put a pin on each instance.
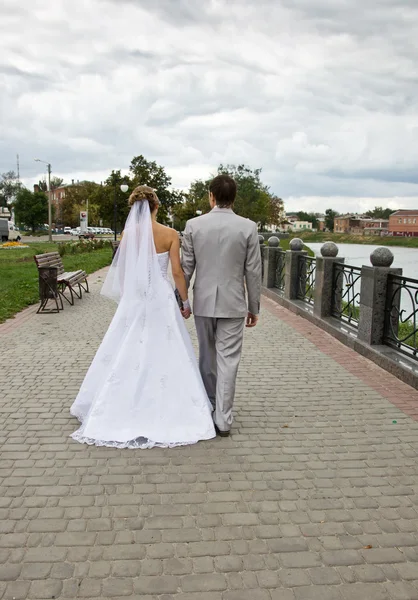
(143, 388)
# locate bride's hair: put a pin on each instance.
(142, 193)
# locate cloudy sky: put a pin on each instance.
(322, 94)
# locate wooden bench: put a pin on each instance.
(66, 281)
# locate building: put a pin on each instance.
(347, 224)
(404, 223)
(5, 213)
(57, 196)
(321, 224)
(376, 227)
(360, 225)
(296, 226)
(292, 223)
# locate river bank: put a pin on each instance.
(344, 238)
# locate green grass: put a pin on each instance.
(343, 238)
(19, 275)
(285, 242)
(405, 331)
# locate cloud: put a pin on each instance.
(322, 95)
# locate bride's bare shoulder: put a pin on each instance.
(164, 237)
(165, 231)
(164, 228)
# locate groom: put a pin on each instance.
(224, 250)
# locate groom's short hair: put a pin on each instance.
(224, 190)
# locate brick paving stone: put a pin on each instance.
(314, 495)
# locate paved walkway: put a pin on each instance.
(315, 495)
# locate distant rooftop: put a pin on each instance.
(405, 213)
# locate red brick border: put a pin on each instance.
(19, 319)
(397, 392)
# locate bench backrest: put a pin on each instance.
(50, 259)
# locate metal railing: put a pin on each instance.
(280, 277)
(262, 253)
(306, 278)
(346, 293)
(402, 314)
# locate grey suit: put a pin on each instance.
(223, 249)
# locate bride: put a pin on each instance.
(143, 388)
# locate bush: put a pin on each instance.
(37, 233)
(82, 246)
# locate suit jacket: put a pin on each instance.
(224, 250)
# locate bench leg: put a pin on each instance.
(62, 294)
(85, 286)
(78, 294)
(42, 308)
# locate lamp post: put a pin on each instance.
(198, 212)
(124, 188)
(49, 197)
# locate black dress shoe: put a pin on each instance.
(222, 433)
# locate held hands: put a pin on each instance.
(251, 320)
(186, 311)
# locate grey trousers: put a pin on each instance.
(220, 346)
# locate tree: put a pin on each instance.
(56, 182)
(195, 200)
(254, 199)
(31, 208)
(309, 217)
(329, 218)
(251, 199)
(144, 172)
(379, 213)
(77, 198)
(277, 214)
(9, 187)
(105, 199)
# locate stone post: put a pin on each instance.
(373, 294)
(270, 262)
(262, 248)
(324, 280)
(280, 269)
(292, 268)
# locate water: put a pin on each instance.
(359, 255)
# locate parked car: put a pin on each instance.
(88, 235)
(67, 230)
(9, 232)
(4, 230)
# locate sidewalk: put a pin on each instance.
(313, 497)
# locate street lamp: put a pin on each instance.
(198, 212)
(124, 188)
(49, 197)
